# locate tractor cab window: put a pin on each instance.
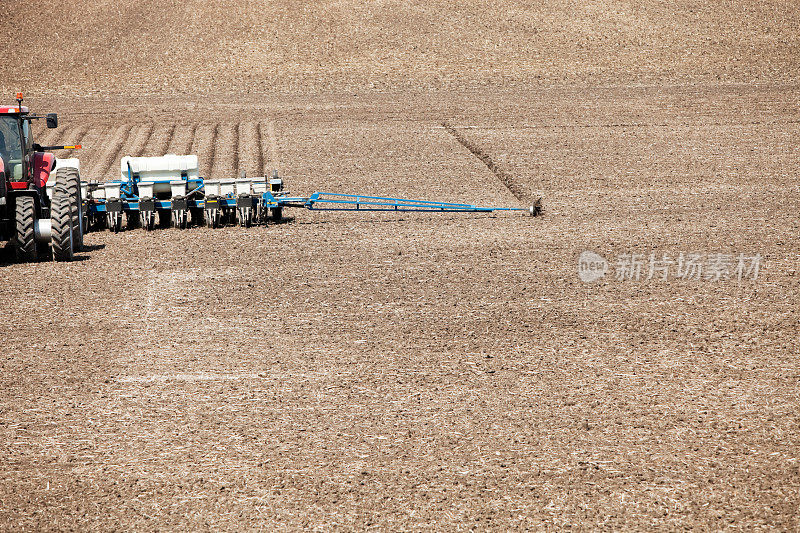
(26, 133)
(11, 147)
(10, 143)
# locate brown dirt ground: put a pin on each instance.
(418, 371)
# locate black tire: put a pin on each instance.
(164, 218)
(61, 231)
(101, 222)
(70, 179)
(197, 218)
(133, 219)
(25, 242)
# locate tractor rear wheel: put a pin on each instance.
(70, 179)
(25, 216)
(61, 230)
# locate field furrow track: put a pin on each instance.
(269, 145)
(203, 145)
(250, 159)
(159, 140)
(226, 153)
(516, 188)
(224, 149)
(182, 138)
(102, 166)
(139, 140)
(92, 143)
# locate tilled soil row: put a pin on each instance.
(109, 153)
(519, 191)
(159, 140)
(223, 149)
(225, 163)
(182, 138)
(250, 160)
(204, 145)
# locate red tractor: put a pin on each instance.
(30, 219)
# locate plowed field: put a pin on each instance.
(418, 371)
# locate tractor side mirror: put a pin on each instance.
(52, 120)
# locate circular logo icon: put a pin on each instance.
(591, 266)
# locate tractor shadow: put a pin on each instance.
(7, 255)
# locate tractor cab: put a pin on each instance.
(23, 163)
(15, 142)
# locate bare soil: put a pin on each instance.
(416, 371)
